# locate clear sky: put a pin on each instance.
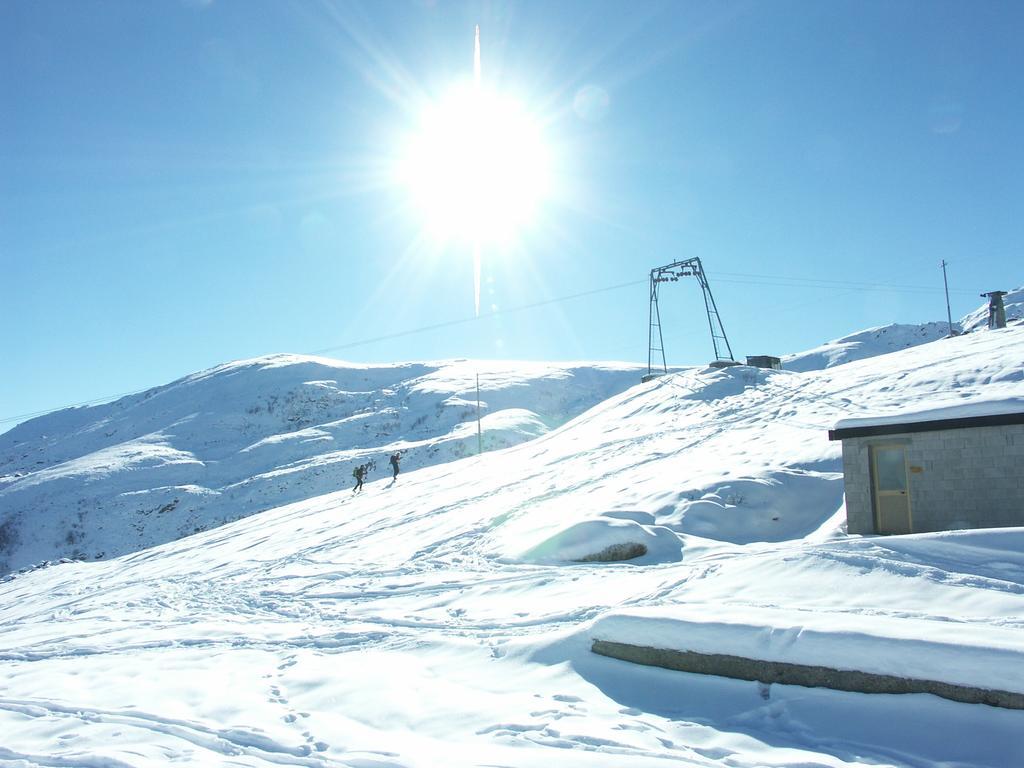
(188, 182)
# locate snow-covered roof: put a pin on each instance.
(975, 413)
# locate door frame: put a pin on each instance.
(873, 449)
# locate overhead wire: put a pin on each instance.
(734, 277)
(802, 282)
(483, 316)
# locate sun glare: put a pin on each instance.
(477, 167)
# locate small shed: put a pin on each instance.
(937, 470)
(765, 361)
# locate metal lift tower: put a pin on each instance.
(671, 273)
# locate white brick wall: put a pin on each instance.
(970, 478)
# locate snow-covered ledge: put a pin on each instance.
(849, 652)
(978, 409)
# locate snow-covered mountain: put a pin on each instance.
(225, 443)
(895, 336)
(864, 344)
(447, 619)
(248, 436)
(1013, 301)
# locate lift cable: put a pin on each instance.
(737, 277)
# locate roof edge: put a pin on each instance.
(966, 422)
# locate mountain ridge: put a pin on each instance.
(249, 435)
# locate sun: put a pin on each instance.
(476, 167)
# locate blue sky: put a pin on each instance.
(184, 183)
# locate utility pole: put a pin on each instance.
(479, 435)
(949, 315)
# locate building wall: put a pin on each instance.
(958, 478)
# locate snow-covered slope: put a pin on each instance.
(247, 436)
(864, 344)
(447, 619)
(1013, 301)
(891, 338)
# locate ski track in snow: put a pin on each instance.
(402, 626)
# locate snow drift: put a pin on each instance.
(446, 619)
(225, 443)
(864, 344)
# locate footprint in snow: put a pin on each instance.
(319, 746)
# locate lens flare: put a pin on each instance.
(476, 167)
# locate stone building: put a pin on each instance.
(939, 470)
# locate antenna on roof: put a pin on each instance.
(671, 273)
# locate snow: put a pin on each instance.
(864, 344)
(1013, 302)
(247, 436)
(780, 506)
(896, 336)
(922, 649)
(446, 618)
(609, 539)
(961, 409)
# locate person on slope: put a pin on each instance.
(359, 473)
(394, 465)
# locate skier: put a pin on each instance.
(394, 465)
(359, 473)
